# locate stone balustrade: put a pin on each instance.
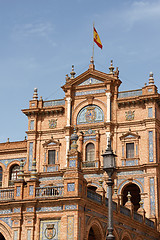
(49, 191)
(6, 194)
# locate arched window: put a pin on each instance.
(1, 174)
(90, 152)
(13, 174)
(134, 190)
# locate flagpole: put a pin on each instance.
(93, 43)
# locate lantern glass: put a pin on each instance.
(108, 160)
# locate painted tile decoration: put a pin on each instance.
(90, 81)
(49, 209)
(6, 211)
(16, 210)
(70, 207)
(50, 229)
(91, 137)
(52, 123)
(29, 234)
(90, 92)
(119, 181)
(90, 114)
(71, 187)
(31, 188)
(152, 197)
(32, 125)
(30, 155)
(72, 163)
(89, 132)
(15, 236)
(5, 162)
(70, 228)
(18, 191)
(136, 150)
(127, 181)
(30, 209)
(150, 146)
(7, 220)
(53, 103)
(52, 169)
(129, 115)
(130, 172)
(50, 178)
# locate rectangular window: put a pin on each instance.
(150, 112)
(51, 157)
(129, 150)
(32, 125)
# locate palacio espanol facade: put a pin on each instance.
(53, 185)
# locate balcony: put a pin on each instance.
(130, 162)
(49, 192)
(90, 164)
(6, 194)
(51, 168)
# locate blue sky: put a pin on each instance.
(41, 39)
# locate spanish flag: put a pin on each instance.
(97, 38)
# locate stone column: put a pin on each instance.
(68, 111)
(108, 94)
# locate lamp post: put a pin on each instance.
(109, 167)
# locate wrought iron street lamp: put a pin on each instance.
(109, 166)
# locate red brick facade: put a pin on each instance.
(53, 185)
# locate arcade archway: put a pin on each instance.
(94, 233)
(2, 237)
(135, 195)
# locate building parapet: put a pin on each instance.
(53, 103)
(133, 93)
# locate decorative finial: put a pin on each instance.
(116, 73)
(67, 78)
(40, 98)
(7, 140)
(101, 182)
(35, 94)
(34, 170)
(21, 171)
(92, 66)
(151, 79)
(111, 68)
(25, 138)
(92, 61)
(145, 84)
(129, 197)
(73, 72)
(141, 204)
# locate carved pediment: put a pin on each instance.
(51, 142)
(130, 135)
(90, 81)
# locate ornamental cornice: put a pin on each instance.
(141, 100)
(44, 111)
